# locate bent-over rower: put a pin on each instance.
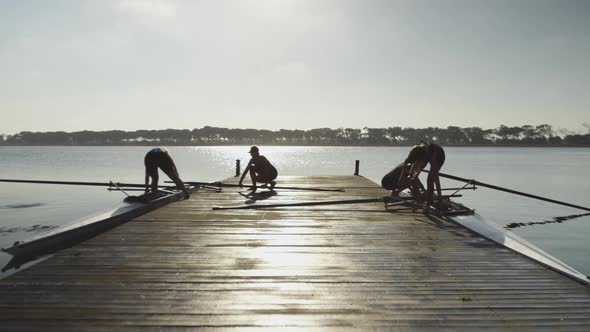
(160, 158)
(420, 155)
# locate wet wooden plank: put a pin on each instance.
(346, 267)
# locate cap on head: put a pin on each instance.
(253, 148)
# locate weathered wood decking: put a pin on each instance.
(338, 267)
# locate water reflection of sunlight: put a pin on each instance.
(286, 253)
(286, 263)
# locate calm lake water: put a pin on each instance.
(26, 210)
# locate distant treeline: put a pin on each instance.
(542, 135)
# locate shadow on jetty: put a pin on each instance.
(261, 196)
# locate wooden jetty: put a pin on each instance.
(69, 235)
(343, 267)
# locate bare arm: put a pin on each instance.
(404, 173)
(417, 168)
(434, 170)
(245, 172)
(403, 179)
(147, 182)
(155, 179)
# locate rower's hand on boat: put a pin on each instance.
(420, 199)
(403, 183)
(443, 205)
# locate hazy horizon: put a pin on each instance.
(286, 64)
(585, 129)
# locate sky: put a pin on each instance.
(292, 64)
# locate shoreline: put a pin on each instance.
(311, 145)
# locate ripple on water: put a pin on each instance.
(21, 206)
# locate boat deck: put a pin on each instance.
(335, 267)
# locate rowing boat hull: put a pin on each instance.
(70, 235)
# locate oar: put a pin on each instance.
(126, 189)
(474, 182)
(458, 189)
(261, 206)
(442, 189)
(221, 184)
(119, 188)
(385, 199)
(78, 183)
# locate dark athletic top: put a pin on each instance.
(435, 153)
(263, 162)
(430, 152)
(158, 157)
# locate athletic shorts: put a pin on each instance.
(273, 173)
(437, 153)
(158, 159)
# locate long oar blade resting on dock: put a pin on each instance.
(511, 191)
(385, 199)
(230, 185)
(261, 206)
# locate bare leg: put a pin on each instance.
(432, 178)
(417, 189)
(253, 177)
(180, 186)
(261, 178)
(438, 190)
(155, 179)
(173, 175)
(430, 187)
